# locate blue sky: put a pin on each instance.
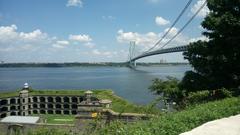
(91, 30)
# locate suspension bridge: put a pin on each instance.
(153, 51)
(132, 61)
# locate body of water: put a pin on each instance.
(125, 82)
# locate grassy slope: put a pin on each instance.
(176, 123)
(60, 119)
(121, 105)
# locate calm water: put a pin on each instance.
(125, 82)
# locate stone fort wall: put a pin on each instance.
(39, 104)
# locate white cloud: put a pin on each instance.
(89, 45)
(203, 38)
(8, 49)
(23, 46)
(58, 46)
(103, 53)
(61, 44)
(74, 3)
(204, 10)
(80, 38)
(147, 40)
(106, 55)
(144, 41)
(140, 39)
(161, 21)
(37, 46)
(200, 27)
(9, 35)
(172, 32)
(96, 52)
(86, 40)
(109, 17)
(33, 36)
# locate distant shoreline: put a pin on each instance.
(76, 64)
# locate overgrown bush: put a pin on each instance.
(221, 93)
(47, 131)
(168, 90)
(198, 97)
(206, 96)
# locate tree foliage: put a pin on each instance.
(216, 62)
(167, 89)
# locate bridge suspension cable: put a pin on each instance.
(177, 19)
(186, 24)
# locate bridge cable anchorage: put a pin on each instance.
(188, 22)
(177, 19)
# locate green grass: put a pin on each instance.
(47, 131)
(176, 123)
(9, 94)
(121, 105)
(45, 92)
(56, 118)
(57, 92)
(59, 119)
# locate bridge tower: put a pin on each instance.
(132, 54)
(132, 64)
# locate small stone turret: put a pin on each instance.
(105, 103)
(23, 96)
(88, 95)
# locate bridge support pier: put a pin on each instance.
(132, 64)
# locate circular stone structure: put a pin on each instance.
(105, 102)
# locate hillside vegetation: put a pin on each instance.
(165, 124)
(175, 123)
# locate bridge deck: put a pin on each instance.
(161, 51)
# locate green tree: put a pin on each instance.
(216, 62)
(168, 90)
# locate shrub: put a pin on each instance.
(221, 93)
(198, 97)
(167, 89)
(207, 95)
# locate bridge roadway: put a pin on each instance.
(160, 51)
